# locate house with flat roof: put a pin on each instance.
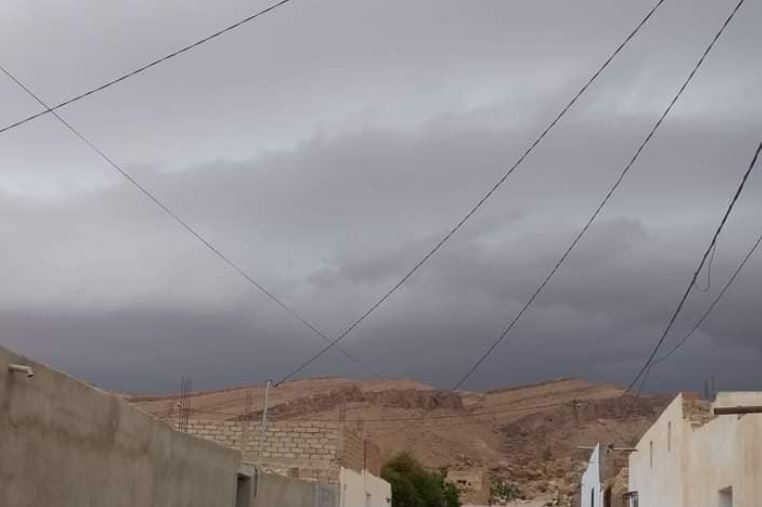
(693, 458)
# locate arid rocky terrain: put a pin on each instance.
(527, 435)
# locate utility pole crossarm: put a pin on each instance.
(738, 410)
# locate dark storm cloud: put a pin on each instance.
(327, 169)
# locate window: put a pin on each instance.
(592, 497)
(651, 453)
(726, 497)
(669, 436)
(630, 499)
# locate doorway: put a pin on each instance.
(243, 491)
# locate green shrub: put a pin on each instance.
(414, 486)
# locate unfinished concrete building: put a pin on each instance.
(312, 450)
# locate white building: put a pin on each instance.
(363, 489)
(605, 478)
(591, 492)
(691, 458)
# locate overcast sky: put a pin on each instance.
(329, 145)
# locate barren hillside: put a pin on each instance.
(526, 434)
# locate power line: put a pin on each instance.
(188, 228)
(145, 67)
(643, 372)
(419, 422)
(711, 307)
(601, 205)
(407, 418)
(481, 202)
(708, 272)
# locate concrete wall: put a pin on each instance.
(685, 460)
(65, 443)
(273, 490)
(380, 490)
(363, 489)
(591, 494)
(658, 468)
(726, 452)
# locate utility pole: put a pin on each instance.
(263, 428)
(184, 404)
(245, 423)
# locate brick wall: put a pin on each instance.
(312, 450)
(300, 440)
(373, 459)
(357, 453)
(352, 452)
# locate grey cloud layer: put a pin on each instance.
(328, 169)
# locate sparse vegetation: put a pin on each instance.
(414, 486)
(502, 492)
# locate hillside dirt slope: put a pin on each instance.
(527, 435)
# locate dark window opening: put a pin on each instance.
(726, 497)
(243, 491)
(630, 499)
(669, 436)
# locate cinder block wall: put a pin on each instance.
(298, 449)
(313, 450)
(358, 453)
(297, 440)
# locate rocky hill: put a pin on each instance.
(527, 435)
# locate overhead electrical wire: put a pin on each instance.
(334, 342)
(154, 63)
(481, 201)
(185, 225)
(406, 418)
(711, 307)
(646, 367)
(601, 205)
(708, 272)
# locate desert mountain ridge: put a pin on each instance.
(527, 434)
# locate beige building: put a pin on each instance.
(691, 458)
